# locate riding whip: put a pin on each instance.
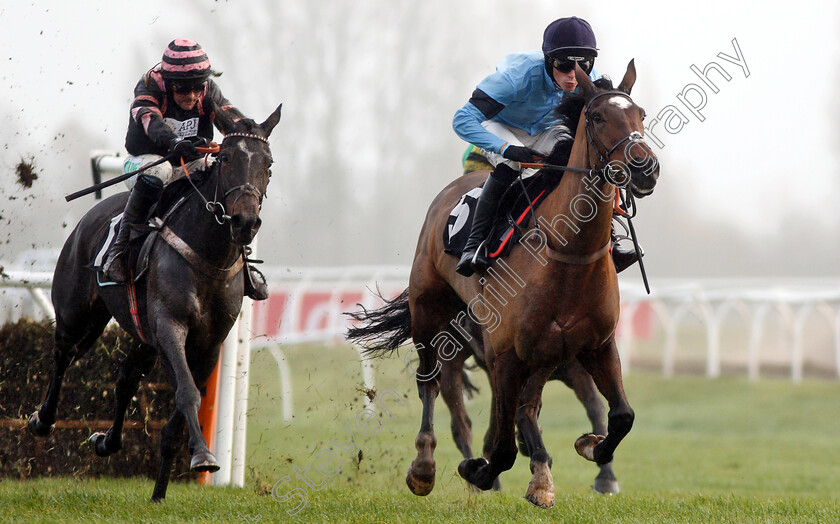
(212, 148)
(115, 180)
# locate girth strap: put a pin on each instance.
(176, 243)
(579, 260)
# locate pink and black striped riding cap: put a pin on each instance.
(185, 61)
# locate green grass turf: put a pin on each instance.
(701, 450)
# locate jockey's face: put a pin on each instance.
(566, 81)
(186, 100)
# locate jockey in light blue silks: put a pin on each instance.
(510, 116)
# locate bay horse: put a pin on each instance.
(554, 302)
(187, 300)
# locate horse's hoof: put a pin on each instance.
(100, 444)
(204, 462)
(585, 445)
(38, 428)
(98, 441)
(541, 487)
(605, 486)
(421, 477)
(470, 470)
(420, 485)
(541, 498)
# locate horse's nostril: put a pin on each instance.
(245, 223)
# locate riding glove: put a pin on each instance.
(183, 148)
(519, 153)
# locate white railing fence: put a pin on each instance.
(307, 305)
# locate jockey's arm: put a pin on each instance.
(146, 110)
(488, 100)
(467, 125)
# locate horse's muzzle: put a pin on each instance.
(243, 228)
(643, 176)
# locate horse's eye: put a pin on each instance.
(597, 118)
(224, 158)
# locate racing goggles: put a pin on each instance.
(191, 87)
(566, 63)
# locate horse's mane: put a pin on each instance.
(568, 112)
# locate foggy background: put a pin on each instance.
(369, 88)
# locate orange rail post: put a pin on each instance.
(208, 415)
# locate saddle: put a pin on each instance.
(141, 239)
(514, 214)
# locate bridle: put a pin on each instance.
(595, 143)
(592, 139)
(215, 206)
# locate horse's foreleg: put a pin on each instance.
(170, 436)
(576, 377)
(541, 488)
(187, 396)
(68, 348)
(139, 361)
(509, 376)
(605, 368)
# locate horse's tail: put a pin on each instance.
(384, 329)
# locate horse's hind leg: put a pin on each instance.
(576, 377)
(139, 361)
(604, 366)
(432, 307)
(72, 341)
(421, 474)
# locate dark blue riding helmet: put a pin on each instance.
(568, 41)
(569, 34)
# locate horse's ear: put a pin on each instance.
(271, 121)
(585, 83)
(224, 120)
(629, 78)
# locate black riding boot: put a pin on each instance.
(623, 257)
(473, 259)
(255, 286)
(145, 193)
